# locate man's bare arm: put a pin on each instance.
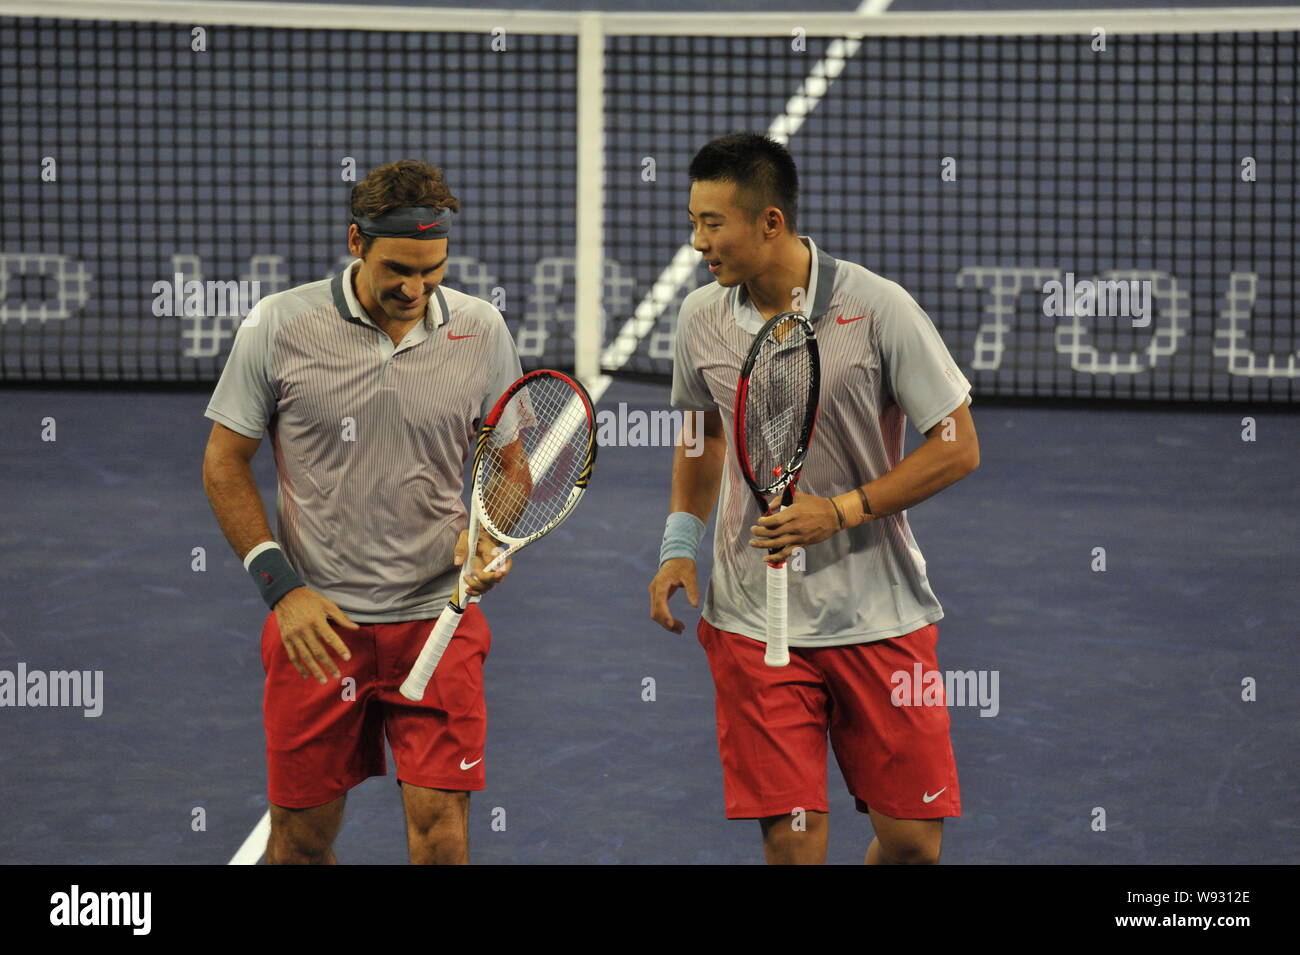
(302, 615)
(950, 452)
(232, 492)
(696, 480)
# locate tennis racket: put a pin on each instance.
(776, 408)
(534, 457)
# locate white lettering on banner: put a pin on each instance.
(550, 309)
(1071, 335)
(71, 286)
(204, 330)
(1231, 332)
(1004, 286)
(550, 301)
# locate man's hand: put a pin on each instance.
(477, 582)
(809, 520)
(304, 618)
(673, 575)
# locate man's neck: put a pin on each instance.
(773, 292)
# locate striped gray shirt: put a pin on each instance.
(882, 361)
(370, 438)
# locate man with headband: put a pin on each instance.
(371, 385)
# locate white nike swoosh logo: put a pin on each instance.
(928, 798)
(465, 765)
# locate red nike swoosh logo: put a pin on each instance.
(456, 338)
(841, 320)
(421, 226)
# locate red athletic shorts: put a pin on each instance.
(773, 723)
(323, 739)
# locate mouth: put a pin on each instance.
(715, 266)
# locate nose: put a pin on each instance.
(413, 289)
(698, 243)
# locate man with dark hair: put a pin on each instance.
(372, 386)
(861, 610)
(761, 168)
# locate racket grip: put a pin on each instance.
(414, 685)
(778, 648)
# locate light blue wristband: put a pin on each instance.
(682, 535)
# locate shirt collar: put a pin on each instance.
(821, 283)
(349, 308)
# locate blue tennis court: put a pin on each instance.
(1118, 577)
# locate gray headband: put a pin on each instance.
(407, 222)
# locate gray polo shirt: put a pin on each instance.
(370, 438)
(882, 362)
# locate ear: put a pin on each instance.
(773, 221)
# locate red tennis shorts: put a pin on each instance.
(773, 724)
(323, 739)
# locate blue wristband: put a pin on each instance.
(273, 575)
(682, 536)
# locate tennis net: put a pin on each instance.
(160, 175)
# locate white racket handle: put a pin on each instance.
(778, 646)
(439, 638)
(413, 686)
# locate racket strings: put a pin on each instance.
(536, 456)
(777, 404)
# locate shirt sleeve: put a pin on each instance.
(505, 371)
(925, 381)
(690, 391)
(244, 399)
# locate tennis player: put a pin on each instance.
(372, 385)
(861, 608)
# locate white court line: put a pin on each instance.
(251, 851)
(682, 266)
(569, 420)
(596, 388)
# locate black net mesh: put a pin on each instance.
(973, 170)
(235, 165)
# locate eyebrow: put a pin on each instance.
(705, 215)
(402, 267)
